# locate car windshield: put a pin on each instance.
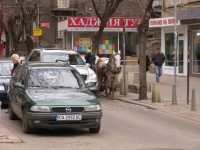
(5, 68)
(55, 78)
(73, 59)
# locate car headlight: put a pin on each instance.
(93, 108)
(40, 109)
(92, 76)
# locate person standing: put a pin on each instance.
(158, 59)
(16, 59)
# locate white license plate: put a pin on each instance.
(68, 117)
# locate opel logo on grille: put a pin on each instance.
(68, 109)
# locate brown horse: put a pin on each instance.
(107, 73)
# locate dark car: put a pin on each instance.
(52, 95)
(6, 66)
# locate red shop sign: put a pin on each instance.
(92, 24)
(44, 25)
(35, 39)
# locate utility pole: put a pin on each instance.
(174, 98)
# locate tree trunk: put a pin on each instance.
(142, 67)
(29, 41)
(96, 39)
(142, 29)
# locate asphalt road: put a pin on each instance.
(124, 127)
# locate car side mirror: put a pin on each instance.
(90, 84)
(18, 85)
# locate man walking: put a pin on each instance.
(158, 59)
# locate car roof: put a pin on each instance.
(54, 50)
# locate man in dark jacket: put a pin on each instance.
(158, 59)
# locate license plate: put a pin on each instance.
(68, 117)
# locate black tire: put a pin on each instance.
(12, 115)
(95, 130)
(26, 127)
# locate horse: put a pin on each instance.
(108, 70)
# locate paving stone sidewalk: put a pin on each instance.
(6, 136)
(182, 109)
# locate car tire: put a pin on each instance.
(26, 127)
(12, 115)
(95, 130)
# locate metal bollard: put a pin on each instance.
(193, 104)
(174, 99)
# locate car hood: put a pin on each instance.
(82, 69)
(76, 97)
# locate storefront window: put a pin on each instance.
(169, 48)
(132, 39)
(108, 43)
(196, 52)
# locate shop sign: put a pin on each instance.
(162, 22)
(37, 32)
(93, 23)
(44, 25)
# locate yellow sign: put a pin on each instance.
(37, 32)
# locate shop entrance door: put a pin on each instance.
(180, 54)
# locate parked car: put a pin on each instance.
(52, 95)
(74, 59)
(6, 66)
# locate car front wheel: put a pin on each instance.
(95, 130)
(26, 127)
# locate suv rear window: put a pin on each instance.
(73, 59)
(5, 68)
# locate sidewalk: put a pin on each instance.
(6, 136)
(182, 109)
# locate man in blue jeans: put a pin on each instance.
(158, 59)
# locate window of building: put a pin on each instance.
(196, 52)
(63, 3)
(169, 49)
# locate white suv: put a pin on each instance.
(54, 55)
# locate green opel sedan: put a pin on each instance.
(52, 95)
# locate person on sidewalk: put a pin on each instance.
(158, 59)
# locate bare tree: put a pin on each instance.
(142, 29)
(104, 9)
(4, 28)
(29, 13)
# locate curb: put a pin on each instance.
(159, 109)
(6, 136)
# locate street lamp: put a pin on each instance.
(174, 98)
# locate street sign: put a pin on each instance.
(44, 25)
(35, 39)
(37, 32)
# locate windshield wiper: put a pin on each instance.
(36, 86)
(68, 87)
